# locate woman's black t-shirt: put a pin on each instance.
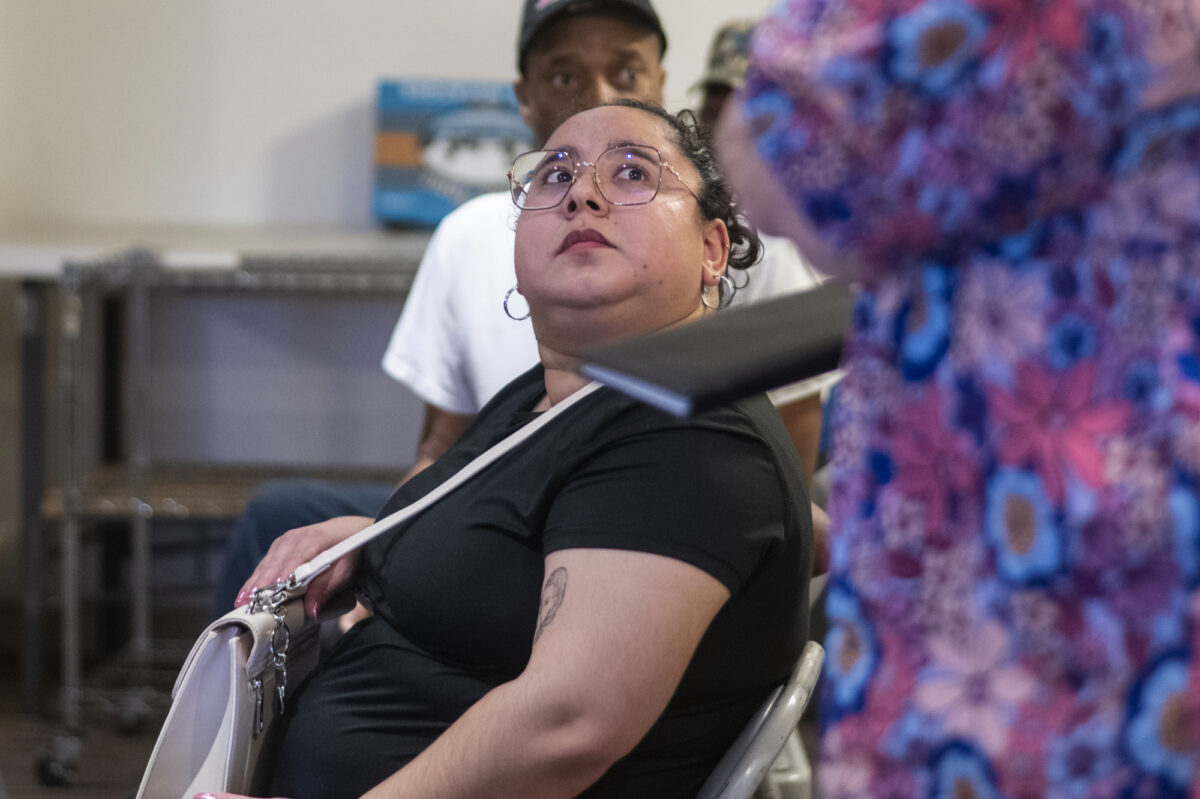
(456, 591)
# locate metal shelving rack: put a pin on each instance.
(139, 491)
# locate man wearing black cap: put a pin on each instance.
(576, 55)
(454, 346)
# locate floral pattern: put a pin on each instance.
(962, 773)
(1015, 185)
(974, 693)
(853, 651)
(1020, 526)
(1155, 733)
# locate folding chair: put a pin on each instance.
(746, 762)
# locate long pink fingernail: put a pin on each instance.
(242, 598)
(204, 796)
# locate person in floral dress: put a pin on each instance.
(1015, 187)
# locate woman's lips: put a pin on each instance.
(584, 239)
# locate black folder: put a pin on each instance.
(689, 369)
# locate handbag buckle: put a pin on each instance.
(272, 597)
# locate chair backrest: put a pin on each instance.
(746, 762)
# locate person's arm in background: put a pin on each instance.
(454, 314)
(802, 418)
(439, 429)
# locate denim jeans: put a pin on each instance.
(281, 505)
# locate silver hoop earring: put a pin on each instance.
(725, 292)
(507, 312)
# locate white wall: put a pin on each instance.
(243, 112)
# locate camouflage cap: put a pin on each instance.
(728, 55)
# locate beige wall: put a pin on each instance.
(224, 112)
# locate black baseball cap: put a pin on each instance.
(539, 13)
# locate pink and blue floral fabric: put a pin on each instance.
(1014, 598)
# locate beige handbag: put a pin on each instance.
(231, 688)
(234, 683)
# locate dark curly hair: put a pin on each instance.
(714, 193)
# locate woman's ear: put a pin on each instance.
(716, 251)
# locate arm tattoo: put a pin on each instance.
(552, 598)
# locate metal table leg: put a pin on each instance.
(31, 314)
(57, 763)
(72, 320)
(137, 406)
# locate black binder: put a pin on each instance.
(736, 353)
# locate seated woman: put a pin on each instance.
(600, 611)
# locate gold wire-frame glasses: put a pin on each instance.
(629, 174)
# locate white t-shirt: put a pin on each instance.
(454, 347)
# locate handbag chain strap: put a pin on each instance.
(272, 598)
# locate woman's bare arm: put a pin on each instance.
(615, 633)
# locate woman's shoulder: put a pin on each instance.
(609, 416)
(608, 419)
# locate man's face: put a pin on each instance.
(582, 61)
